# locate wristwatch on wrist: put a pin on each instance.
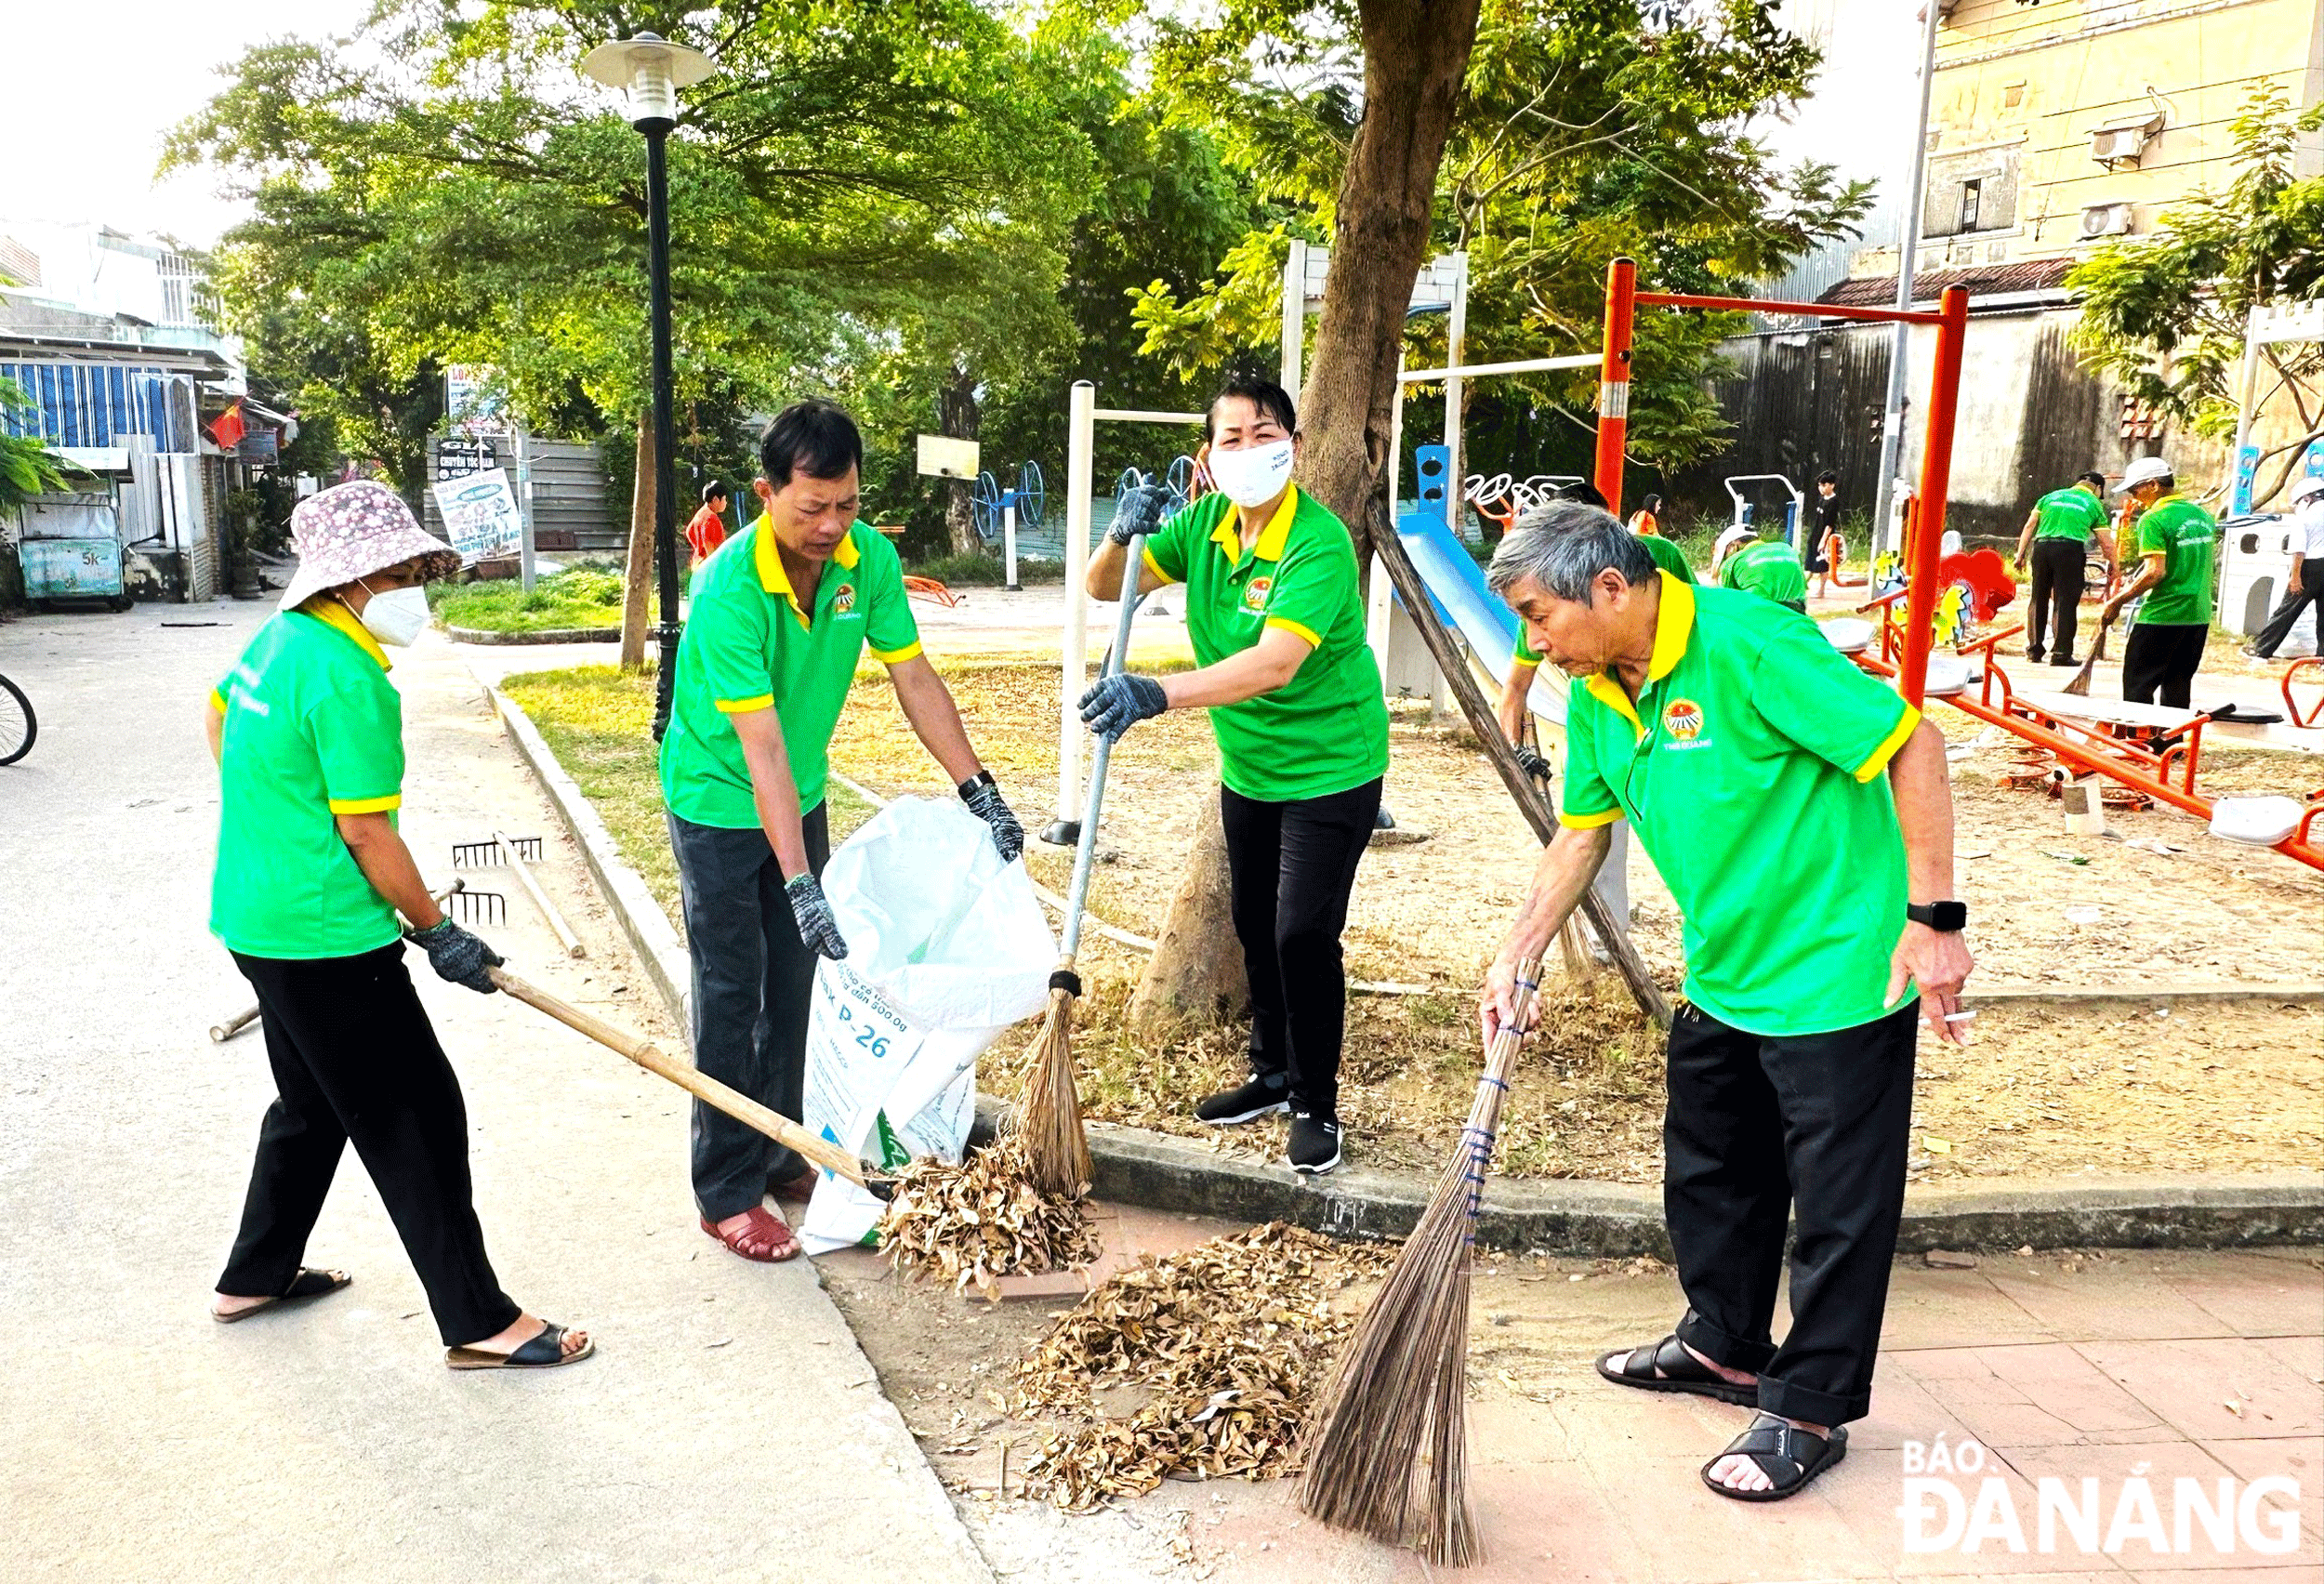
(1944, 918)
(981, 778)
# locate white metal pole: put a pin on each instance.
(1455, 332)
(1080, 459)
(2245, 392)
(1294, 315)
(1909, 244)
(524, 514)
(1380, 599)
(1009, 543)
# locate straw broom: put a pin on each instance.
(1388, 1453)
(1047, 1117)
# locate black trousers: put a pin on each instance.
(1292, 866)
(2287, 609)
(753, 977)
(1816, 1127)
(2058, 570)
(355, 1061)
(2160, 662)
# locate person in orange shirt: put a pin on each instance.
(1647, 520)
(707, 532)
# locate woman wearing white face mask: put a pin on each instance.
(1275, 612)
(308, 738)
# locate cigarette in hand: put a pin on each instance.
(1960, 1017)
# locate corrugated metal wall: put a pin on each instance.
(570, 512)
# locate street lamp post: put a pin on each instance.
(651, 70)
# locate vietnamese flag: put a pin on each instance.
(229, 429)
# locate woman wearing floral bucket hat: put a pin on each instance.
(308, 738)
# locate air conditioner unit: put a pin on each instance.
(2117, 143)
(2105, 219)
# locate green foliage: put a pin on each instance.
(27, 466)
(1590, 128)
(579, 597)
(2164, 315)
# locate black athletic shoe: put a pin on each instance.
(2066, 660)
(2033, 656)
(1315, 1143)
(1261, 1095)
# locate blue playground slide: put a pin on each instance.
(1456, 587)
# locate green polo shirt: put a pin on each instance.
(751, 646)
(312, 729)
(1668, 557)
(2069, 513)
(1768, 568)
(1753, 751)
(2186, 537)
(1326, 729)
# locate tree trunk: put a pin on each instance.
(1416, 56)
(957, 415)
(639, 577)
(1197, 972)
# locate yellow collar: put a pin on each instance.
(332, 611)
(775, 580)
(1675, 622)
(1228, 534)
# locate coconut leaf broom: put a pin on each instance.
(1387, 1449)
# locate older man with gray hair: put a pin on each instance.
(1738, 742)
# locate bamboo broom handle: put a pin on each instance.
(653, 1059)
(565, 937)
(1077, 894)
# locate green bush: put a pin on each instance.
(584, 596)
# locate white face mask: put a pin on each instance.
(396, 615)
(1253, 476)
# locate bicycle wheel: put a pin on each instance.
(18, 727)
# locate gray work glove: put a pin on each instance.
(457, 955)
(1120, 702)
(817, 928)
(1139, 511)
(1532, 763)
(983, 798)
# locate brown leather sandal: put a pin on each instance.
(763, 1238)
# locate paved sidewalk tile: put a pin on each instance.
(2105, 1303)
(2160, 1464)
(2256, 1298)
(1936, 1309)
(1873, 1506)
(2299, 1459)
(2038, 1395)
(2191, 1385)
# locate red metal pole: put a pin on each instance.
(1937, 475)
(1621, 287)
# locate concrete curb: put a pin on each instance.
(542, 635)
(642, 922)
(1159, 1171)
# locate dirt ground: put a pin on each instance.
(2192, 1085)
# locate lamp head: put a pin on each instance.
(649, 69)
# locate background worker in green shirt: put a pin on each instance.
(1734, 738)
(2058, 532)
(309, 738)
(1768, 568)
(2177, 548)
(1275, 615)
(780, 617)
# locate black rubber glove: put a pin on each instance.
(1120, 702)
(1532, 763)
(984, 801)
(457, 955)
(1139, 511)
(812, 909)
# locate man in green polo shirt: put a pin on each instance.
(2058, 532)
(1768, 568)
(779, 617)
(1734, 738)
(2178, 549)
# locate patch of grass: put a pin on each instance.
(577, 597)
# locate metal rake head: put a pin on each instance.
(484, 854)
(477, 908)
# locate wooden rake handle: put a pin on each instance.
(653, 1059)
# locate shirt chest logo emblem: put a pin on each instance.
(844, 601)
(1255, 594)
(1683, 720)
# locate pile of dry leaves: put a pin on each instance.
(1223, 1346)
(983, 1220)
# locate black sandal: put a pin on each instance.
(1782, 1451)
(1667, 1365)
(307, 1284)
(546, 1351)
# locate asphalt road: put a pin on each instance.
(729, 1428)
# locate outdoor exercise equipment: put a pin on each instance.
(1082, 417)
(1745, 516)
(1001, 514)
